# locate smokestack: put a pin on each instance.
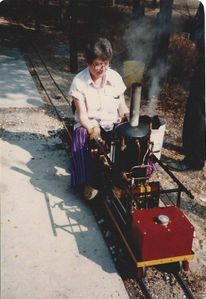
(136, 89)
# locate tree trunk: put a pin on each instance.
(138, 9)
(194, 127)
(37, 15)
(93, 18)
(73, 36)
(163, 30)
(154, 3)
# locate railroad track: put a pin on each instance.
(180, 282)
(60, 102)
(184, 286)
(54, 94)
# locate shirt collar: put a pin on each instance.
(107, 79)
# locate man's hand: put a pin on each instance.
(94, 133)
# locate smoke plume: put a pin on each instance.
(139, 39)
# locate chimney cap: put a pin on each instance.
(126, 130)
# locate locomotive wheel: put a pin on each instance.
(184, 265)
(141, 273)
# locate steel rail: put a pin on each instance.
(188, 293)
(144, 289)
(49, 73)
(181, 186)
(29, 39)
(44, 89)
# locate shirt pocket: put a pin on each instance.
(111, 99)
(112, 91)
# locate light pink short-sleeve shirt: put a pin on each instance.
(101, 102)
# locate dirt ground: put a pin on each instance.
(53, 44)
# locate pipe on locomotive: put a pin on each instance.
(136, 89)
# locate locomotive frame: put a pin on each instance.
(121, 215)
(141, 210)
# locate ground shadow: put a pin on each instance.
(47, 157)
(173, 147)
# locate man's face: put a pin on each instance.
(98, 68)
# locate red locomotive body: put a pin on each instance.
(158, 241)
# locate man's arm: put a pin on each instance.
(93, 131)
(82, 114)
(123, 109)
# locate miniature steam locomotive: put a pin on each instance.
(147, 217)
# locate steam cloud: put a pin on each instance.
(156, 75)
(139, 39)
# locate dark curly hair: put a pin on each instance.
(98, 48)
